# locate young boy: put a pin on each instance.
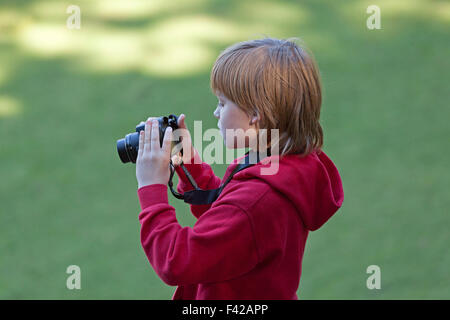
(249, 243)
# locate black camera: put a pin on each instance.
(128, 147)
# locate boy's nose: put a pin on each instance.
(216, 113)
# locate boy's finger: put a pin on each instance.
(183, 132)
(176, 160)
(143, 122)
(147, 145)
(155, 136)
(181, 123)
(167, 142)
(187, 148)
(141, 143)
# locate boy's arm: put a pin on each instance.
(219, 247)
(203, 176)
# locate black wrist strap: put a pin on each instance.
(199, 196)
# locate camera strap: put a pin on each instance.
(199, 196)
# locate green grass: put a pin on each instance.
(65, 198)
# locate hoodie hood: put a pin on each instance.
(311, 183)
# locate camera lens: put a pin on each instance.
(122, 150)
(128, 147)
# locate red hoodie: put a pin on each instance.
(249, 243)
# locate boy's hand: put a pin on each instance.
(185, 137)
(152, 163)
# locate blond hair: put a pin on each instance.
(278, 80)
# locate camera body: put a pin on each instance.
(128, 147)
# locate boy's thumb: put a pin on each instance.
(181, 123)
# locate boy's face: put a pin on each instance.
(231, 117)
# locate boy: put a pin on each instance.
(249, 243)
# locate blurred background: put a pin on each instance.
(67, 95)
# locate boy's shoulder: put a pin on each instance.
(248, 193)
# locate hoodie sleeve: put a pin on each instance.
(203, 176)
(220, 246)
